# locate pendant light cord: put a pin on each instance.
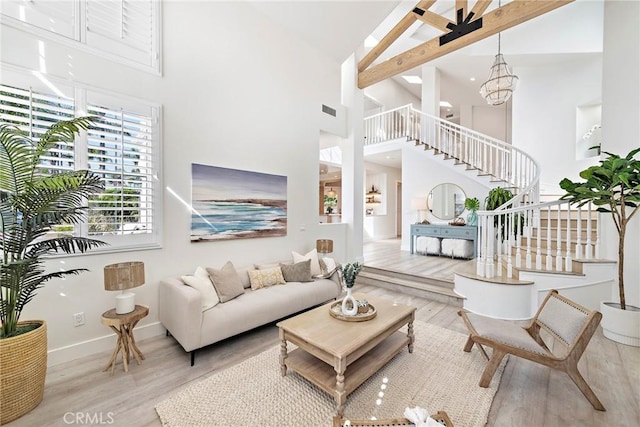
(499, 6)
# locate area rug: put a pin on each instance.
(438, 375)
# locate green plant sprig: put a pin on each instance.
(349, 273)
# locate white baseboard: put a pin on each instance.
(68, 353)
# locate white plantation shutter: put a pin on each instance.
(126, 31)
(56, 16)
(120, 149)
(123, 27)
(33, 112)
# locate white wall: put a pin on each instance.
(421, 171)
(620, 121)
(391, 95)
(544, 114)
(491, 120)
(232, 97)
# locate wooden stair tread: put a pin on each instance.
(411, 284)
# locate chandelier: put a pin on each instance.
(501, 82)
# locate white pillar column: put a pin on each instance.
(430, 90)
(466, 115)
(353, 160)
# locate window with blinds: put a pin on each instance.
(125, 27)
(33, 113)
(56, 16)
(120, 150)
(126, 30)
(122, 146)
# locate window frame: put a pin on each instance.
(81, 93)
(79, 40)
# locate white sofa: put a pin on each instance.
(181, 312)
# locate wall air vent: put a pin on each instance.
(330, 111)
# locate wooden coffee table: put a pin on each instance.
(337, 355)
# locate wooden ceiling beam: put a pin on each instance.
(480, 6)
(461, 4)
(507, 16)
(393, 35)
(435, 20)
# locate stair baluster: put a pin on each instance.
(528, 222)
(588, 249)
(567, 258)
(579, 232)
(559, 240)
(549, 264)
(538, 243)
(500, 244)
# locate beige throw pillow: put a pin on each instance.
(313, 256)
(201, 282)
(226, 282)
(328, 267)
(298, 272)
(266, 277)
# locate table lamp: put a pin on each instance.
(123, 276)
(418, 203)
(324, 246)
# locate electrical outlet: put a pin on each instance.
(78, 319)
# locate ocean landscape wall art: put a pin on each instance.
(236, 204)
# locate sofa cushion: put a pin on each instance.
(201, 282)
(298, 272)
(254, 309)
(267, 277)
(226, 281)
(313, 256)
(243, 273)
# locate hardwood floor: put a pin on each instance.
(387, 254)
(79, 393)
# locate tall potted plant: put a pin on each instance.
(614, 187)
(32, 203)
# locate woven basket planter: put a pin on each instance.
(23, 367)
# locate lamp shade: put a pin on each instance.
(124, 275)
(324, 246)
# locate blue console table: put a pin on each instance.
(445, 231)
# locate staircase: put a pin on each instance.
(525, 247)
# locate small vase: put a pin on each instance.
(472, 218)
(354, 304)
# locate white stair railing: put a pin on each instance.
(508, 231)
(516, 169)
(519, 230)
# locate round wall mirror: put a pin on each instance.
(446, 201)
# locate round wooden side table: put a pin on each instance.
(122, 325)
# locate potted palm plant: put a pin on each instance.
(614, 187)
(33, 203)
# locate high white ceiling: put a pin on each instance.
(338, 28)
(335, 27)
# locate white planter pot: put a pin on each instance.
(621, 326)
